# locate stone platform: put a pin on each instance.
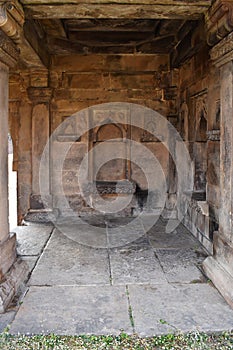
(83, 282)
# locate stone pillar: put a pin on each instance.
(40, 97)
(12, 271)
(219, 267)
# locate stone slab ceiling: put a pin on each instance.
(118, 26)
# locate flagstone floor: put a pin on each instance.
(101, 275)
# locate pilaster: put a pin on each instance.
(219, 267)
(40, 95)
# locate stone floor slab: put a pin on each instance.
(181, 265)
(85, 234)
(65, 262)
(121, 235)
(70, 289)
(30, 261)
(73, 310)
(117, 221)
(6, 319)
(135, 264)
(32, 239)
(168, 308)
(152, 221)
(179, 238)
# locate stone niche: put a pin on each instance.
(194, 130)
(108, 141)
(103, 154)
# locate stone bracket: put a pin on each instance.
(219, 21)
(11, 23)
(11, 20)
(9, 54)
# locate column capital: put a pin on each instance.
(39, 94)
(219, 21)
(222, 53)
(9, 53)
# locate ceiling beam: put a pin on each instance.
(37, 42)
(127, 2)
(150, 9)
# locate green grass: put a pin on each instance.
(197, 341)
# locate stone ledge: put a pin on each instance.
(222, 280)
(13, 280)
(111, 187)
(41, 216)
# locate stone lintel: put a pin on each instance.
(151, 9)
(9, 53)
(219, 21)
(11, 283)
(222, 53)
(39, 94)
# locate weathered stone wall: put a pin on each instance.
(199, 125)
(81, 81)
(41, 101)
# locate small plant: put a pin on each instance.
(179, 341)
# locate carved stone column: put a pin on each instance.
(219, 267)
(40, 97)
(12, 271)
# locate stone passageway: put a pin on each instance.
(83, 282)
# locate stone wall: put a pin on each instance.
(41, 101)
(199, 123)
(81, 81)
